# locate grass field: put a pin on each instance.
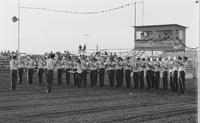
(31, 103)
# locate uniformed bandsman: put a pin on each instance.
(13, 68)
(128, 68)
(141, 73)
(21, 67)
(50, 68)
(59, 67)
(110, 67)
(165, 69)
(118, 76)
(93, 72)
(101, 63)
(84, 64)
(171, 65)
(148, 69)
(175, 74)
(40, 70)
(182, 72)
(135, 66)
(157, 73)
(79, 73)
(31, 66)
(153, 72)
(67, 67)
(74, 69)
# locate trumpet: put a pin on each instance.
(178, 63)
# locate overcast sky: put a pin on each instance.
(43, 31)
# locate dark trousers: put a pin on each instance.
(165, 80)
(20, 74)
(59, 76)
(49, 80)
(172, 86)
(157, 80)
(40, 75)
(128, 78)
(152, 79)
(149, 79)
(121, 77)
(182, 81)
(67, 74)
(75, 79)
(30, 75)
(175, 80)
(101, 76)
(80, 79)
(111, 76)
(84, 76)
(13, 79)
(136, 81)
(141, 79)
(46, 75)
(93, 77)
(118, 77)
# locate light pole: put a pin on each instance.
(17, 19)
(197, 2)
(135, 20)
(18, 46)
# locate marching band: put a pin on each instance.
(149, 70)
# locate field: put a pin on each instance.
(66, 103)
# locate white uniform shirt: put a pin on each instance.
(40, 64)
(183, 68)
(21, 64)
(31, 64)
(79, 68)
(13, 64)
(50, 64)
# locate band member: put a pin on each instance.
(67, 66)
(118, 72)
(153, 61)
(135, 74)
(111, 71)
(40, 70)
(165, 69)
(75, 75)
(127, 67)
(13, 68)
(101, 72)
(21, 67)
(93, 72)
(59, 71)
(31, 66)
(45, 68)
(84, 64)
(50, 67)
(171, 63)
(157, 73)
(175, 75)
(141, 73)
(79, 74)
(149, 68)
(182, 72)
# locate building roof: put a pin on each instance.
(161, 25)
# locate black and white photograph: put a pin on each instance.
(99, 61)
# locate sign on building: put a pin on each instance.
(169, 37)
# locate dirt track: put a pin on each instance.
(30, 103)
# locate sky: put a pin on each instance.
(42, 31)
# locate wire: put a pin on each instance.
(81, 12)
